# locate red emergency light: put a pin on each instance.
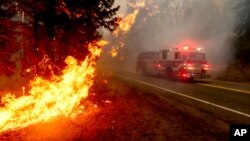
(185, 48)
(184, 75)
(188, 48)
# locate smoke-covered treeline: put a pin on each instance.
(242, 44)
(160, 24)
(222, 27)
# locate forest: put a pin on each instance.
(45, 32)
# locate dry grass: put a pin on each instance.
(236, 73)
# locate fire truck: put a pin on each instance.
(184, 63)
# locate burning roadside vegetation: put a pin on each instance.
(115, 111)
(55, 45)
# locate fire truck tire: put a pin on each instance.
(143, 70)
(169, 74)
(190, 79)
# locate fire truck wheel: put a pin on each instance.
(143, 70)
(169, 73)
(190, 79)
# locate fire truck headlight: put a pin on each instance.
(188, 66)
(205, 67)
(185, 47)
(199, 49)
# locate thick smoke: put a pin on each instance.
(167, 23)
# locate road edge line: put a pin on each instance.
(187, 96)
(225, 88)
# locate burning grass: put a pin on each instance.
(114, 111)
(48, 99)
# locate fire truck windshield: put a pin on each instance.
(193, 56)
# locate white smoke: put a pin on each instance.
(164, 23)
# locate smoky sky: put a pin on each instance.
(166, 23)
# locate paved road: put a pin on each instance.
(230, 101)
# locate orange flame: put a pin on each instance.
(49, 99)
(128, 21)
(125, 25)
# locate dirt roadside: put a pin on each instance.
(114, 111)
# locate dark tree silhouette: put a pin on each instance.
(242, 45)
(53, 29)
(7, 37)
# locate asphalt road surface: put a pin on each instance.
(229, 101)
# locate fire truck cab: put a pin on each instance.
(175, 63)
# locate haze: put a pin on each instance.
(160, 24)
